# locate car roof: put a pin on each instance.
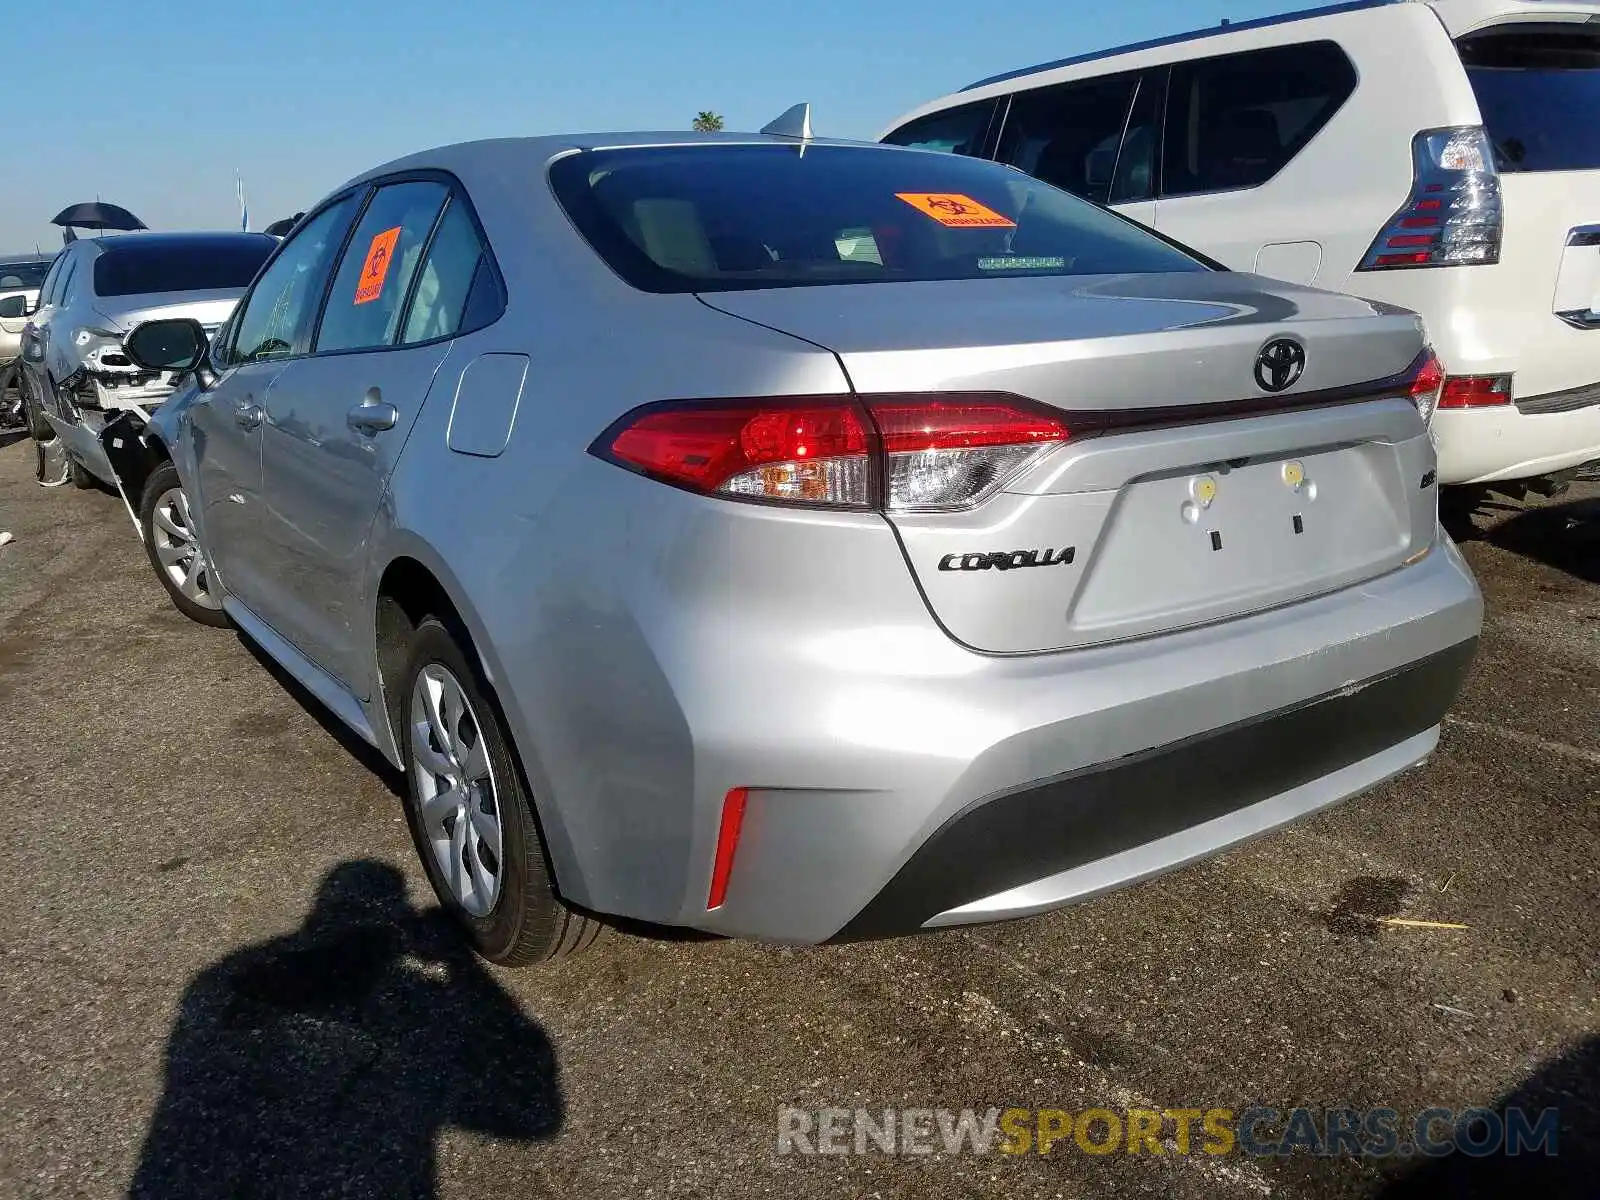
(1457, 16)
(469, 157)
(1177, 39)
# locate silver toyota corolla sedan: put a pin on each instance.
(802, 540)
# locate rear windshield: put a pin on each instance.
(138, 267)
(1539, 91)
(721, 218)
(23, 274)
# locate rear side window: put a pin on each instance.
(136, 266)
(962, 130)
(721, 218)
(369, 288)
(456, 264)
(1539, 91)
(1236, 121)
(1069, 135)
(52, 281)
(67, 290)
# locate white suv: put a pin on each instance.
(1442, 156)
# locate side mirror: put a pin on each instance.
(176, 344)
(14, 306)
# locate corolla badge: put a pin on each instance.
(1006, 560)
(1280, 364)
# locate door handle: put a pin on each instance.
(373, 414)
(247, 415)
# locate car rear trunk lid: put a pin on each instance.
(1186, 492)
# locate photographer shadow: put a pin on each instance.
(326, 1062)
(1570, 1084)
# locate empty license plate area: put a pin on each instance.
(1230, 538)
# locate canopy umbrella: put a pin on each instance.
(97, 216)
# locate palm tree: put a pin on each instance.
(708, 122)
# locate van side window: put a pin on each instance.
(1236, 121)
(1137, 164)
(1069, 135)
(962, 130)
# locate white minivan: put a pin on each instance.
(1442, 156)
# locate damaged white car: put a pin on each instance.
(75, 373)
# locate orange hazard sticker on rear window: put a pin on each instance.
(376, 269)
(955, 210)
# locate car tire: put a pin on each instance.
(464, 793)
(82, 478)
(171, 543)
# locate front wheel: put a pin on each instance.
(470, 814)
(174, 548)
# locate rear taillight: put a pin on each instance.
(1425, 385)
(897, 452)
(1453, 216)
(1476, 391)
(948, 453)
(810, 451)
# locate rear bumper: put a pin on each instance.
(1048, 843)
(896, 782)
(1535, 436)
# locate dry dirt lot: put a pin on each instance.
(221, 973)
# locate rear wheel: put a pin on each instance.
(82, 477)
(174, 548)
(470, 814)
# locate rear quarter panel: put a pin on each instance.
(547, 554)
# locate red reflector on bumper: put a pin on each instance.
(727, 842)
(1475, 391)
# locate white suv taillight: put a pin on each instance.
(896, 453)
(1453, 217)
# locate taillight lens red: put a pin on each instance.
(804, 450)
(1476, 391)
(1426, 383)
(901, 452)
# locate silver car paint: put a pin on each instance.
(652, 649)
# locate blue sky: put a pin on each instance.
(155, 104)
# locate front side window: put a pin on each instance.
(723, 218)
(456, 262)
(1538, 89)
(1236, 121)
(275, 319)
(1069, 134)
(960, 130)
(369, 288)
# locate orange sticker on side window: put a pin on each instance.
(956, 211)
(376, 269)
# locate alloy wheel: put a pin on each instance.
(455, 786)
(179, 551)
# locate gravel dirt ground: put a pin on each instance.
(222, 974)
